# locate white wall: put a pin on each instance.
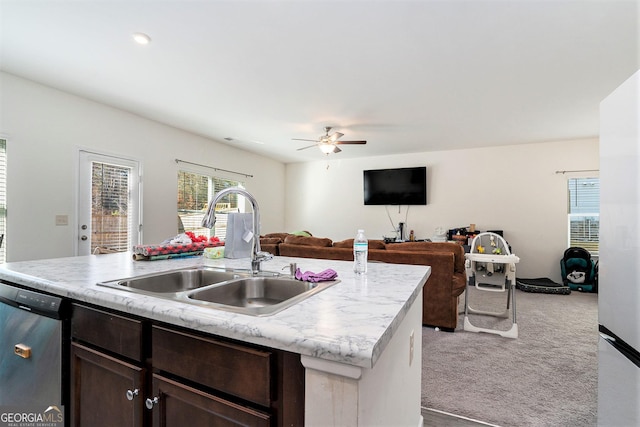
(512, 188)
(44, 128)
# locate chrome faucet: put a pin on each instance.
(209, 221)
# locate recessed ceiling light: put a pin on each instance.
(141, 38)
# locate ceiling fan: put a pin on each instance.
(328, 143)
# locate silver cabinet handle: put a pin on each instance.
(131, 394)
(151, 402)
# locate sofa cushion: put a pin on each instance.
(308, 241)
(280, 236)
(319, 252)
(373, 244)
(270, 240)
(409, 246)
(270, 244)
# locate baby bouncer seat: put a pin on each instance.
(491, 267)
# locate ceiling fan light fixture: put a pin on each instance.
(327, 148)
(328, 143)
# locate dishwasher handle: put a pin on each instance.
(22, 350)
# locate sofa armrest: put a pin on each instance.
(440, 293)
(441, 263)
(433, 247)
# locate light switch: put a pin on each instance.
(62, 219)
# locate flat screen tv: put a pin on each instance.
(402, 186)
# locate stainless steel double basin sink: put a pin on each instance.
(262, 294)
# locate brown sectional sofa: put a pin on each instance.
(441, 292)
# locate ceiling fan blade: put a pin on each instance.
(351, 142)
(300, 139)
(308, 146)
(335, 136)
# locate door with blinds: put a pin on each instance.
(108, 204)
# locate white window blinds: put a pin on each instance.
(110, 219)
(584, 213)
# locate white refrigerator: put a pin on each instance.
(619, 261)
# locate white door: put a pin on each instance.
(109, 217)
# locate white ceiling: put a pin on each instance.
(407, 76)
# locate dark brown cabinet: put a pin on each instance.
(134, 372)
(108, 369)
(106, 391)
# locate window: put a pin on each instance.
(584, 213)
(3, 199)
(194, 192)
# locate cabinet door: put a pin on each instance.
(178, 405)
(101, 388)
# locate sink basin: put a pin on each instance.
(258, 295)
(176, 280)
(236, 291)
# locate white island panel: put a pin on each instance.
(385, 395)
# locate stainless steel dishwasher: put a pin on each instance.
(34, 349)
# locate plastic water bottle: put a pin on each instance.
(360, 253)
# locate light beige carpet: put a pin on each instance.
(545, 377)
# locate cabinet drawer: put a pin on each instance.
(121, 335)
(234, 369)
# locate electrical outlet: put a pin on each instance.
(411, 347)
(62, 220)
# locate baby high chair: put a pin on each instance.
(490, 266)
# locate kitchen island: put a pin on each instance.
(359, 340)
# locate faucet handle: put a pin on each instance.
(292, 268)
(264, 256)
(257, 260)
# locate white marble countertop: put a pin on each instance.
(350, 322)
